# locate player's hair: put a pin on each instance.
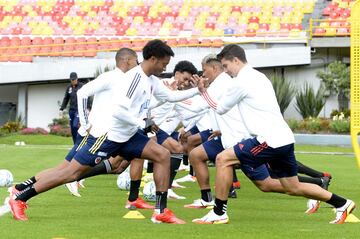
(185, 66)
(231, 51)
(211, 60)
(156, 48)
(123, 53)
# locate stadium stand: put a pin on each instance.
(79, 28)
(335, 21)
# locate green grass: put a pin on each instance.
(98, 213)
(36, 139)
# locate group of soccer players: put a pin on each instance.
(230, 116)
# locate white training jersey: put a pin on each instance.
(230, 124)
(160, 110)
(101, 88)
(253, 94)
(130, 103)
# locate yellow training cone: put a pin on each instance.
(352, 218)
(133, 214)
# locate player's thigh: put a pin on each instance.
(172, 145)
(198, 154)
(155, 152)
(227, 158)
(194, 139)
(74, 170)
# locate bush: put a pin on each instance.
(37, 130)
(345, 112)
(60, 130)
(340, 126)
(293, 124)
(313, 125)
(11, 126)
(309, 104)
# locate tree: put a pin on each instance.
(336, 80)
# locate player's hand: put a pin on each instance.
(214, 134)
(171, 86)
(183, 136)
(150, 126)
(200, 83)
(61, 113)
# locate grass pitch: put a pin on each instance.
(98, 213)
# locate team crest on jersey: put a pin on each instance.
(241, 146)
(98, 160)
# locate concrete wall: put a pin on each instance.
(43, 104)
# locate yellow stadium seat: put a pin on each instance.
(17, 19)
(330, 32)
(46, 8)
(27, 8)
(3, 25)
(164, 31)
(294, 33)
(94, 25)
(131, 32)
(8, 8)
(253, 25)
(92, 14)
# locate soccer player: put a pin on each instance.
(125, 59)
(97, 121)
(130, 105)
(183, 72)
(230, 130)
(272, 142)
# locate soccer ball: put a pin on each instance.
(123, 181)
(6, 178)
(149, 191)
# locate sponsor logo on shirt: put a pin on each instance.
(144, 106)
(103, 154)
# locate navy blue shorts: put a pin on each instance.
(212, 148)
(194, 130)
(161, 136)
(98, 149)
(175, 135)
(281, 160)
(205, 135)
(255, 174)
(79, 142)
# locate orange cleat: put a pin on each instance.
(343, 212)
(312, 206)
(18, 209)
(236, 185)
(139, 203)
(166, 217)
